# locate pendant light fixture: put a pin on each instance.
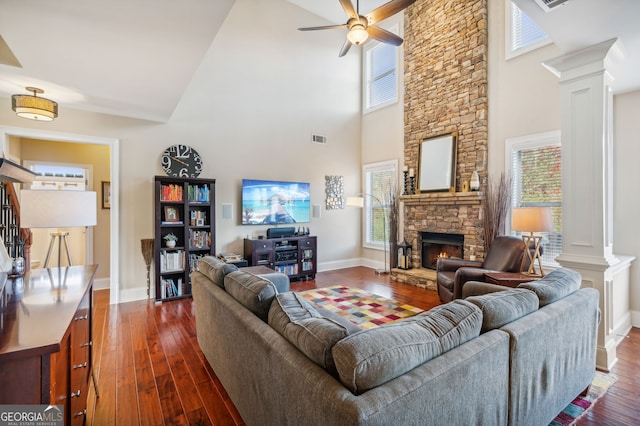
(33, 107)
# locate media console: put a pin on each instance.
(294, 256)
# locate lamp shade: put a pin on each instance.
(355, 202)
(57, 209)
(532, 219)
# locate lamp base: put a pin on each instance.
(532, 241)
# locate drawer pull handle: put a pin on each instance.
(80, 413)
(82, 317)
(75, 394)
(83, 365)
(84, 345)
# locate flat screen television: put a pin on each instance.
(268, 202)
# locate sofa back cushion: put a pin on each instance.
(373, 357)
(555, 285)
(215, 269)
(253, 292)
(311, 332)
(504, 307)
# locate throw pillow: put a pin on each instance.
(307, 329)
(215, 269)
(253, 292)
(555, 285)
(504, 307)
(373, 357)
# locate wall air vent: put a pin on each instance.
(549, 5)
(318, 138)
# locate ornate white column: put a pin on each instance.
(587, 187)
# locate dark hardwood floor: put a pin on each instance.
(150, 370)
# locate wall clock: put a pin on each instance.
(181, 161)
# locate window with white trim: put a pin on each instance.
(522, 34)
(536, 171)
(380, 74)
(380, 179)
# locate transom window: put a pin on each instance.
(380, 75)
(522, 34)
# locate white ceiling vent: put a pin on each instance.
(318, 138)
(549, 5)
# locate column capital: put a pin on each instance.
(590, 60)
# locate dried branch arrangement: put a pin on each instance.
(497, 201)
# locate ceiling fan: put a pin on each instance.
(362, 27)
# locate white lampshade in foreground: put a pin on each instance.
(355, 202)
(57, 209)
(532, 219)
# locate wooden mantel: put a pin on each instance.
(443, 198)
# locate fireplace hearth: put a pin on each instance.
(437, 244)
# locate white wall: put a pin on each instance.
(524, 99)
(250, 110)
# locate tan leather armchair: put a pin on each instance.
(504, 255)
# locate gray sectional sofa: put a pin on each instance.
(512, 357)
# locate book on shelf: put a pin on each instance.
(170, 287)
(164, 222)
(197, 217)
(291, 269)
(193, 261)
(198, 193)
(171, 192)
(199, 239)
(171, 261)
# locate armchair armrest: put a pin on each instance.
(451, 264)
(465, 274)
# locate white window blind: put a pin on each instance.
(379, 180)
(523, 34)
(536, 169)
(381, 78)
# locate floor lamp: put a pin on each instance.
(57, 209)
(358, 201)
(530, 220)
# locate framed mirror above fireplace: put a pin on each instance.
(437, 168)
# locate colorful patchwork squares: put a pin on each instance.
(361, 307)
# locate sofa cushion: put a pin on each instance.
(555, 285)
(215, 269)
(253, 292)
(503, 307)
(280, 280)
(305, 328)
(373, 357)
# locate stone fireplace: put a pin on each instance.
(435, 245)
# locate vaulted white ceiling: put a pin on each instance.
(135, 58)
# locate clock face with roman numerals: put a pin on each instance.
(181, 161)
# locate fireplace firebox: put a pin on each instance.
(438, 244)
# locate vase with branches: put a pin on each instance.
(497, 201)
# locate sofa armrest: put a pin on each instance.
(280, 280)
(478, 288)
(452, 264)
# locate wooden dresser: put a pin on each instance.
(45, 338)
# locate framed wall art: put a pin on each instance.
(437, 168)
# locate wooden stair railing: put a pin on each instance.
(16, 239)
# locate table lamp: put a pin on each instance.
(57, 209)
(530, 220)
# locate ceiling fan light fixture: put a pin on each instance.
(357, 34)
(33, 107)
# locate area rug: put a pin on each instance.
(599, 386)
(361, 307)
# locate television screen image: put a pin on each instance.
(274, 202)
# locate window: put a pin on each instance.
(522, 33)
(381, 75)
(536, 170)
(379, 179)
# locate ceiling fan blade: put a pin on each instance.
(326, 27)
(348, 8)
(345, 48)
(384, 35)
(387, 9)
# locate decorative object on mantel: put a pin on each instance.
(405, 181)
(412, 182)
(146, 246)
(405, 253)
(465, 186)
(170, 240)
(474, 184)
(532, 219)
(334, 192)
(497, 201)
(438, 158)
